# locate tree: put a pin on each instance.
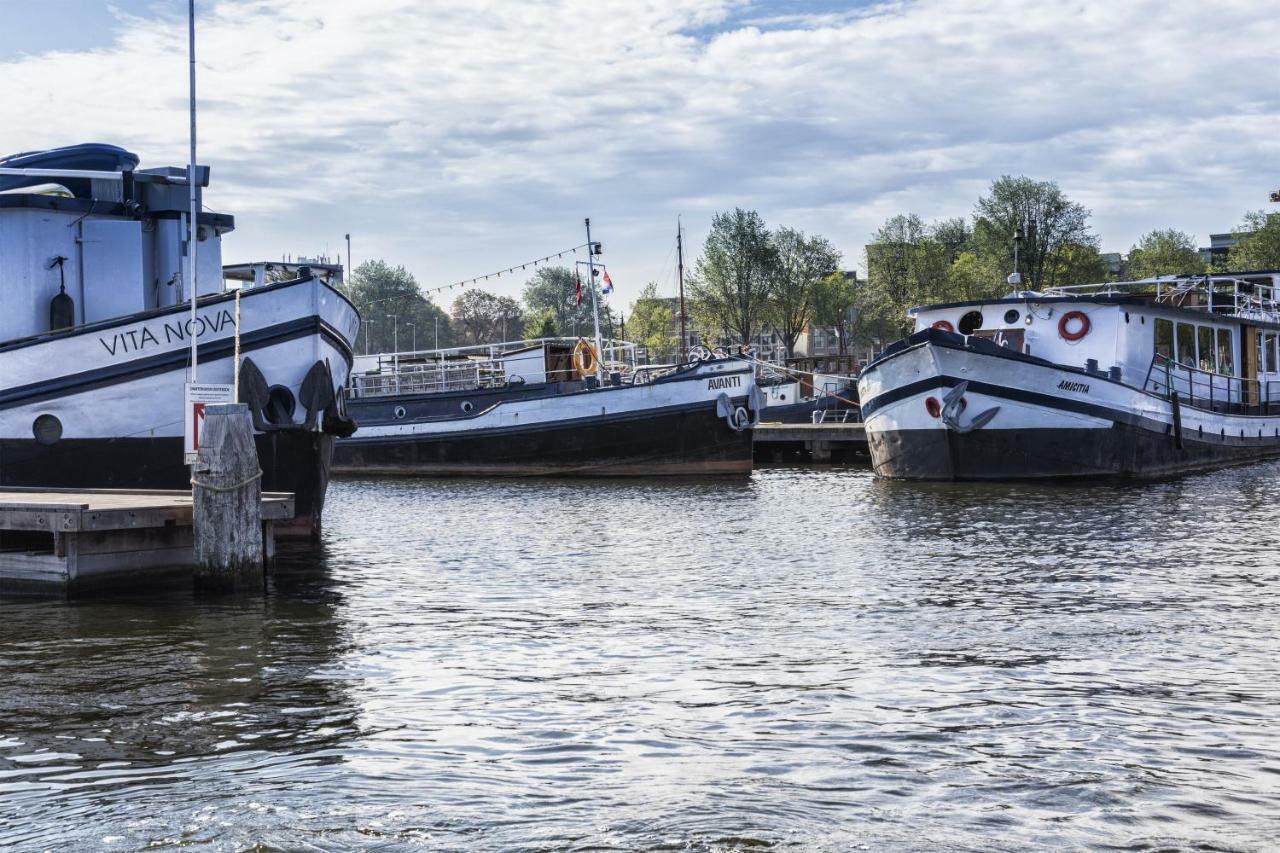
(834, 300)
(1257, 243)
(481, 317)
(1164, 252)
(541, 325)
(800, 262)
(973, 277)
(394, 310)
(1050, 222)
(651, 324)
(731, 281)
(554, 289)
(906, 266)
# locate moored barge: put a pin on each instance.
(549, 407)
(1132, 379)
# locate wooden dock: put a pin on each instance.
(64, 541)
(821, 443)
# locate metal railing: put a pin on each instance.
(1250, 296)
(1216, 392)
(471, 367)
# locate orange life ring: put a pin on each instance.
(1067, 318)
(585, 358)
(944, 325)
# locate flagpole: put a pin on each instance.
(595, 308)
(193, 225)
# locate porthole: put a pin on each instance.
(970, 322)
(400, 413)
(47, 429)
(467, 407)
(1011, 316)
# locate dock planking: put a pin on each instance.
(56, 540)
(825, 442)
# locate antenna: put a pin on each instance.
(593, 249)
(684, 338)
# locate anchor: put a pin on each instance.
(952, 406)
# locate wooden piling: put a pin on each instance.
(226, 494)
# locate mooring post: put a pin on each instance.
(226, 492)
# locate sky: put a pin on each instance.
(460, 137)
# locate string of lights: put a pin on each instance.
(511, 270)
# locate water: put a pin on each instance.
(811, 660)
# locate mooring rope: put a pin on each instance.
(240, 485)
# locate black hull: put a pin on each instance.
(1123, 451)
(690, 441)
(292, 461)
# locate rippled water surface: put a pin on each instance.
(809, 660)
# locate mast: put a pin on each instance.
(595, 308)
(680, 266)
(193, 226)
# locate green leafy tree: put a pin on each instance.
(1257, 243)
(541, 325)
(1164, 252)
(800, 263)
(481, 317)
(394, 310)
(906, 266)
(1050, 222)
(554, 289)
(834, 300)
(651, 324)
(971, 276)
(730, 286)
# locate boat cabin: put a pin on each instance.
(1213, 339)
(491, 366)
(86, 236)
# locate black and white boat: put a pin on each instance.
(549, 407)
(95, 335)
(1133, 379)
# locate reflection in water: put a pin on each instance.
(812, 659)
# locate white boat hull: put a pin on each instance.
(1021, 417)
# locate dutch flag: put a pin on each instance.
(608, 285)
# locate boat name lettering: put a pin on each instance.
(133, 340)
(1078, 387)
(720, 382)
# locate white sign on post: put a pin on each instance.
(198, 395)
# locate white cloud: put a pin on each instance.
(458, 136)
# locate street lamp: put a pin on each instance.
(437, 331)
(395, 334)
(414, 326)
(367, 324)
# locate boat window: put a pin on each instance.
(1186, 344)
(1268, 361)
(970, 322)
(1206, 361)
(1164, 338)
(1226, 364)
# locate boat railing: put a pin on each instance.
(1250, 296)
(470, 367)
(1217, 392)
